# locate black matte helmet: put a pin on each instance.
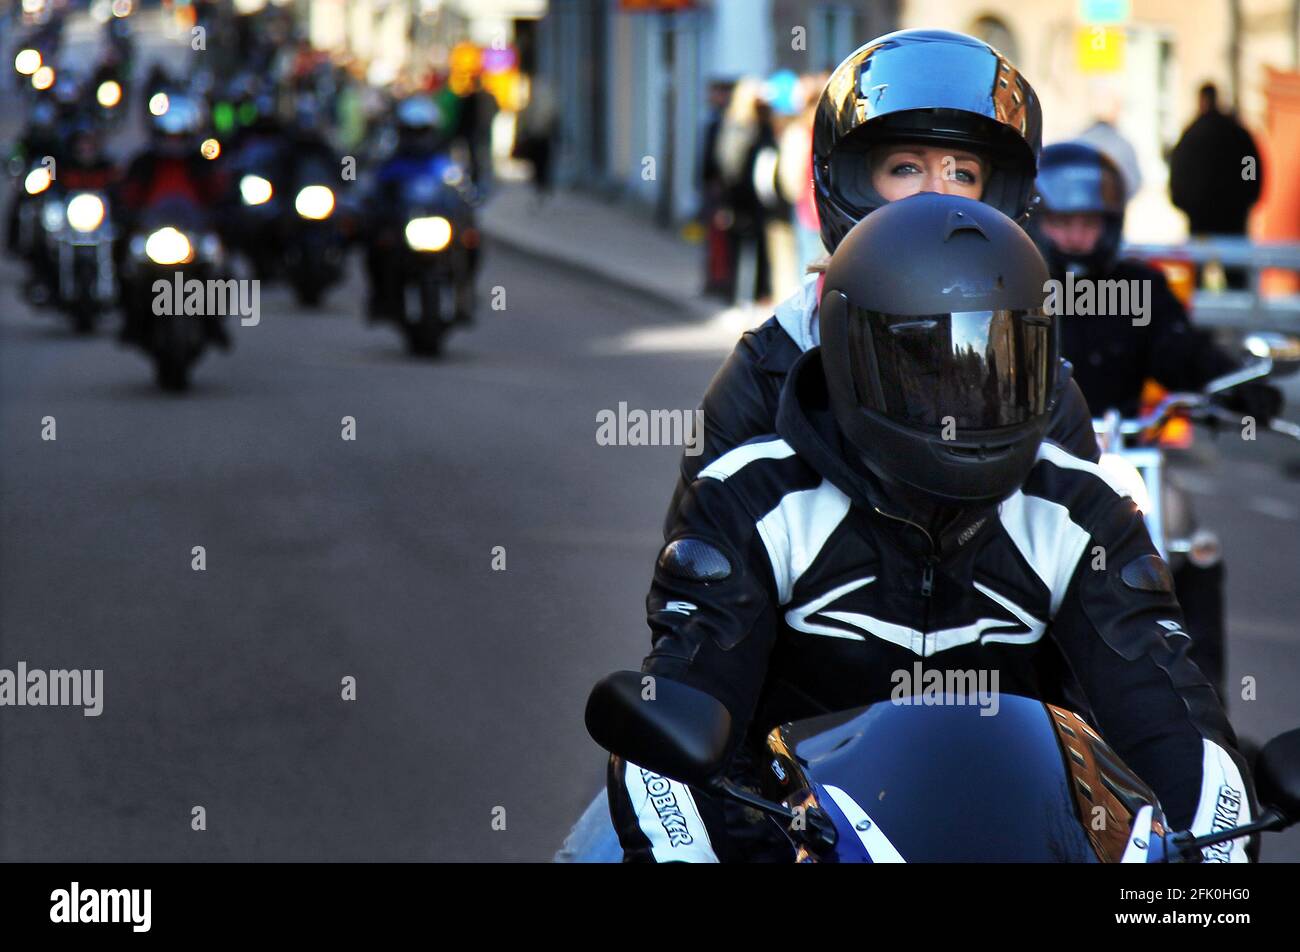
(1075, 177)
(922, 86)
(940, 362)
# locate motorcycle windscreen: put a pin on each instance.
(980, 369)
(945, 784)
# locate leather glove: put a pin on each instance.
(1255, 399)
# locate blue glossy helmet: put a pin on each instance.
(1078, 178)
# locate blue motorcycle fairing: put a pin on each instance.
(942, 783)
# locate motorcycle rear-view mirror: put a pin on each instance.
(1282, 350)
(673, 729)
(1277, 775)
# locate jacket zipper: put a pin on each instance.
(927, 573)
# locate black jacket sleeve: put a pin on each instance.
(1179, 355)
(713, 621)
(712, 606)
(1122, 632)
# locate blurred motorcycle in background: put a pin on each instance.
(172, 234)
(1134, 451)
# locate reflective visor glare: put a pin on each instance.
(851, 179)
(1078, 189)
(984, 369)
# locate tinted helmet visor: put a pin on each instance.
(982, 370)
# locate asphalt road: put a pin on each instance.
(326, 558)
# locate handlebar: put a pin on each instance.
(1199, 407)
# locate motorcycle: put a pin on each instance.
(81, 251)
(313, 241)
(259, 206)
(432, 265)
(1133, 453)
(826, 780)
(38, 207)
(173, 234)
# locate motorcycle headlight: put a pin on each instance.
(255, 190)
(38, 180)
(315, 202)
(168, 246)
(109, 93)
(27, 61)
(428, 234)
(85, 212)
(43, 78)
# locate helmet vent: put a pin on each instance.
(959, 221)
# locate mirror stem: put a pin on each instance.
(730, 789)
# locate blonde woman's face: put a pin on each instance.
(898, 171)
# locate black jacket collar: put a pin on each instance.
(804, 420)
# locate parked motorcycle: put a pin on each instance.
(173, 243)
(1133, 452)
(876, 784)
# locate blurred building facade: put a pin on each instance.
(631, 76)
(393, 35)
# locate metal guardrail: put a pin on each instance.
(1236, 308)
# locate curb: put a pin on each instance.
(693, 306)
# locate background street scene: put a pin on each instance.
(446, 529)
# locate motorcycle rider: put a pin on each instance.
(306, 136)
(1078, 228)
(421, 151)
(83, 164)
(907, 507)
(915, 110)
(41, 138)
(86, 164)
(171, 166)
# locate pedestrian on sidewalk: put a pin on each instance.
(1215, 175)
(536, 138)
(746, 130)
(714, 215)
(794, 174)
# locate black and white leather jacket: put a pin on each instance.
(787, 589)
